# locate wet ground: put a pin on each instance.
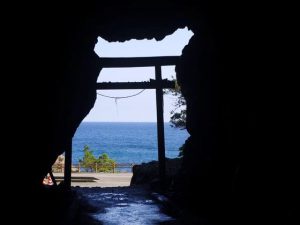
(121, 206)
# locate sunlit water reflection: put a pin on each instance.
(123, 206)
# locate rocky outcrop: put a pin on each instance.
(147, 173)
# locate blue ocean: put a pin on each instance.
(126, 142)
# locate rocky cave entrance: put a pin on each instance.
(219, 74)
(109, 103)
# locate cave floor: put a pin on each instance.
(120, 206)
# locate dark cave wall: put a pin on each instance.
(222, 173)
(59, 73)
(221, 121)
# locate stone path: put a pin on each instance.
(99, 179)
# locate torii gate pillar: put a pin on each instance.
(160, 127)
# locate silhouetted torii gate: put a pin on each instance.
(157, 84)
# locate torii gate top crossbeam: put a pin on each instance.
(152, 84)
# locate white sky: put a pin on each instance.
(141, 108)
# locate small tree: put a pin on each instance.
(105, 163)
(89, 160)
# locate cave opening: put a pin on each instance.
(110, 109)
(220, 75)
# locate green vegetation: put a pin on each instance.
(178, 114)
(101, 164)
